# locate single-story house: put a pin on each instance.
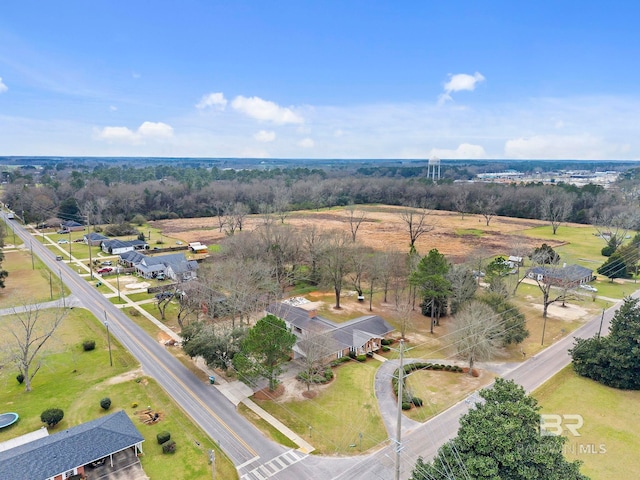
(94, 239)
(175, 265)
(565, 276)
(361, 335)
(116, 247)
(67, 453)
(71, 226)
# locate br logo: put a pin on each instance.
(552, 424)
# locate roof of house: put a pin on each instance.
(570, 272)
(183, 267)
(93, 236)
(132, 257)
(50, 456)
(70, 223)
(353, 333)
(115, 243)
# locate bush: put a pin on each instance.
(20, 378)
(406, 405)
(607, 251)
(88, 345)
(105, 403)
(416, 401)
(134, 405)
(361, 358)
(385, 348)
(386, 342)
(352, 355)
(138, 220)
(52, 416)
(169, 447)
(163, 437)
(328, 374)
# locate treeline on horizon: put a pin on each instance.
(116, 193)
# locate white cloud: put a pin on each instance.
(460, 82)
(562, 147)
(136, 75)
(464, 151)
(215, 100)
(3, 87)
(113, 108)
(265, 110)
(148, 130)
(307, 143)
(265, 136)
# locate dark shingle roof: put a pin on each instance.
(93, 236)
(570, 273)
(50, 456)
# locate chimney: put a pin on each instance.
(313, 313)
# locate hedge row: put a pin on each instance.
(407, 399)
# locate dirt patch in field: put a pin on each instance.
(125, 377)
(384, 230)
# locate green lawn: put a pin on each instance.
(75, 381)
(611, 418)
(338, 414)
(28, 282)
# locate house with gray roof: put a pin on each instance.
(116, 247)
(67, 453)
(360, 336)
(94, 239)
(175, 265)
(565, 276)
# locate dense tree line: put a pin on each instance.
(168, 191)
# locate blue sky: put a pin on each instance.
(321, 79)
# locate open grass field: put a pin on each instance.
(609, 441)
(339, 412)
(75, 381)
(440, 389)
(26, 284)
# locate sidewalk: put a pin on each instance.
(237, 392)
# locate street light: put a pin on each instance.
(106, 324)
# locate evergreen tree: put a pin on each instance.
(613, 360)
(500, 439)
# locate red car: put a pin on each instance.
(105, 270)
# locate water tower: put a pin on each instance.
(434, 163)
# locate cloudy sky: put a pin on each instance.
(320, 79)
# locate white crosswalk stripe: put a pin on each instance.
(273, 466)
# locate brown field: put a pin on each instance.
(383, 229)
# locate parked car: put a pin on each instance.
(107, 263)
(61, 242)
(105, 270)
(163, 295)
(589, 288)
(160, 276)
(58, 257)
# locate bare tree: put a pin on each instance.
(476, 333)
(417, 223)
(613, 224)
(31, 327)
(460, 201)
(360, 261)
(556, 207)
(488, 207)
(313, 244)
(316, 348)
(463, 286)
(281, 202)
(336, 261)
(404, 308)
(356, 217)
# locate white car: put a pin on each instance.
(589, 288)
(60, 242)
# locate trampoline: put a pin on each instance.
(7, 419)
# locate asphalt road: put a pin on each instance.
(258, 458)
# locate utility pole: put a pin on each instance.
(62, 289)
(212, 460)
(399, 412)
(90, 259)
(601, 320)
(106, 324)
(33, 265)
